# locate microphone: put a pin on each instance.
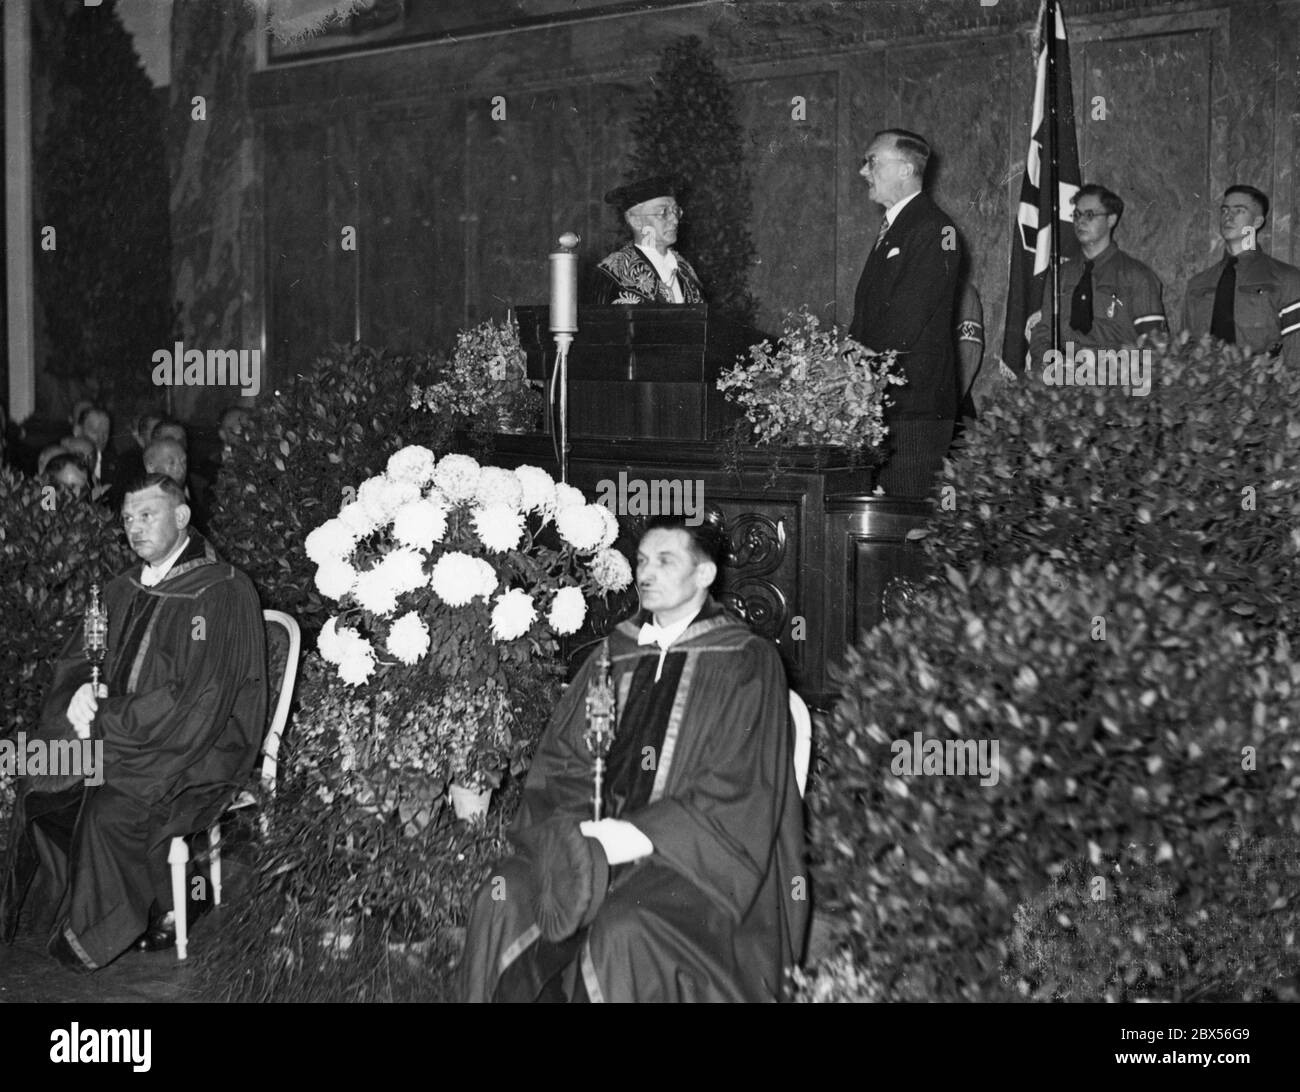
(564, 286)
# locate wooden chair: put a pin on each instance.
(283, 646)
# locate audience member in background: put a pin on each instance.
(231, 430)
(48, 453)
(167, 456)
(68, 474)
(78, 408)
(97, 427)
(167, 429)
(131, 463)
(82, 448)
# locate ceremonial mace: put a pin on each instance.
(95, 637)
(564, 324)
(601, 720)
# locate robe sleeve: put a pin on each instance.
(721, 828)
(202, 721)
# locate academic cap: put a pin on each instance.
(645, 189)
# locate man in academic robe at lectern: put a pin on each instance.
(648, 269)
(691, 886)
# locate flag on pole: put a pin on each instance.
(1049, 184)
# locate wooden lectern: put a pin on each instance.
(642, 372)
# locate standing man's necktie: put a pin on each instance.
(1222, 324)
(884, 230)
(1081, 304)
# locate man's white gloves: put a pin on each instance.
(620, 840)
(82, 707)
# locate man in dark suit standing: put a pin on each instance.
(905, 301)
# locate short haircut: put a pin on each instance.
(63, 462)
(1112, 202)
(173, 426)
(708, 538)
(81, 417)
(149, 481)
(911, 146)
(1258, 196)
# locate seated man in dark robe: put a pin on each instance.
(688, 888)
(180, 713)
(648, 269)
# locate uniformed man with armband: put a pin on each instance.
(1248, 297)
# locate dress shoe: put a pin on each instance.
(160, 935)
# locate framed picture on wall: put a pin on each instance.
(341, 27)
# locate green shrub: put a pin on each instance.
(361, 887)
(304, 449)
(52, 548)
(1183, 478)
(1123, 745)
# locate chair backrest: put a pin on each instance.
(802, 721)
(283, 646)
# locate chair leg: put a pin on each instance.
(214, 857)
(178, 856)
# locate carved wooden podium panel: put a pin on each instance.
(642, 371)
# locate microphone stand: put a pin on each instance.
(564, 324)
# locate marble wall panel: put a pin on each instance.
(792, 167)
(412, 251)
(509, 197)
(1145, 132)
(310, 298)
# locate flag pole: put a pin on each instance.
(1053, 178)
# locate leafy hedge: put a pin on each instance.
(303, 450)
(1117, 608)
(52, 548)
(1125, 752)
(1201, 476)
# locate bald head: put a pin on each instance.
(168, 457)
(80, 446)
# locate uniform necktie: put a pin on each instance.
(1081, 304)
(1222, 324)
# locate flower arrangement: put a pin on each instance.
(486, 383)
(815, 387)
(466, 573)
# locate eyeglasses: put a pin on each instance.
(669, 212)
(1087, 215)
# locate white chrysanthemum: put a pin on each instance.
(610, 570)
(457, 477)
(398, 572)
(420, 523)
(566, 496)
(457, 578)
(568, 609)
(538, 489)
(611, 525)
(498, 527)
(356, 658)
(382, 497)
(408, 638)
(404, 569)
(513, 614)
(335, 579)
(331, 541)
(414, 464)
(497, 486)
(485, 578)
(582, 528)
(375, 592)
(356, 518)
(327, 644)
